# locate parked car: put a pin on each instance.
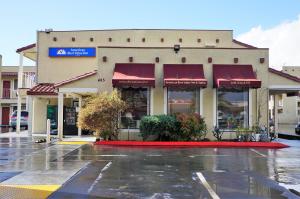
(297, 129)
(24, 120)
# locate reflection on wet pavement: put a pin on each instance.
(122, 172)
(172, 173)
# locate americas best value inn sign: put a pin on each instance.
(72, 52)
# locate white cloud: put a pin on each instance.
(282, 40)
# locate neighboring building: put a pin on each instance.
(157, 72)
(290, 112)
(9, 88)
(283, 104)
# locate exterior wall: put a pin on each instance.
(88, 82)
(292, 70)
(53, 70)
(48, 67)
(278, 81)
(289, 113)
(290, 107)
(193, 56)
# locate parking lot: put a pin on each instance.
(116, 172)
(88, 171)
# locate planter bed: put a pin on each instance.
(200, 144)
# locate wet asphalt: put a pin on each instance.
(123, 172)
(90, 171)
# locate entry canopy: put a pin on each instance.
(133, 74)
(234, 76)
(184, 75)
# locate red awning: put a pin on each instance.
(234, 76)
(190, 75)
(133, 74)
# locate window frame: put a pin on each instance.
(248, 109)
(148, 104)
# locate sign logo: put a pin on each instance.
(61, 52)
(72, 52)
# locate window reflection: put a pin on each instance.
(183, 100)
(233, 108)
(137, 106)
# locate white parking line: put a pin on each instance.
(212, 193)
(206, 155)
(257, 152)
(99, 177)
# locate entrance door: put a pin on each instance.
(5, 115)
(70, 120)
(6, 90)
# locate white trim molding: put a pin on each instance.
(285, 87)
(201, 101)
(215, 107)
(250, 115)
(151, 101)
(165, 100)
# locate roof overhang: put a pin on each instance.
(29, 51)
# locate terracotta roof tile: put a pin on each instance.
(43, 89)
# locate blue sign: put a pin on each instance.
(72, 52)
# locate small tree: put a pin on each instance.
(101, 114)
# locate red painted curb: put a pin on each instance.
(273, 145)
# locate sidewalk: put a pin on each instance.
(43, 136)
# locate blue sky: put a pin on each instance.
(21, 19)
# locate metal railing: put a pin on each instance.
(8, 93)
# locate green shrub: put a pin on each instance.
(192, 126)
(173, 127)
(163, 127)
(149, 126)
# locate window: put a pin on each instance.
(137, 101)
(183, 100)
(232, 108)
(15, 84)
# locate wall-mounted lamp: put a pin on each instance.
(176, 48)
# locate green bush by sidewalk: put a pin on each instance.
(178, 127)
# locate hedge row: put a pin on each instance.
(178, 127)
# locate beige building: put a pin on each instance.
(290, 105)
(157, 72)
(9, 88)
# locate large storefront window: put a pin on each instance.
(233, 108)
(183, 100)
(137, 101)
